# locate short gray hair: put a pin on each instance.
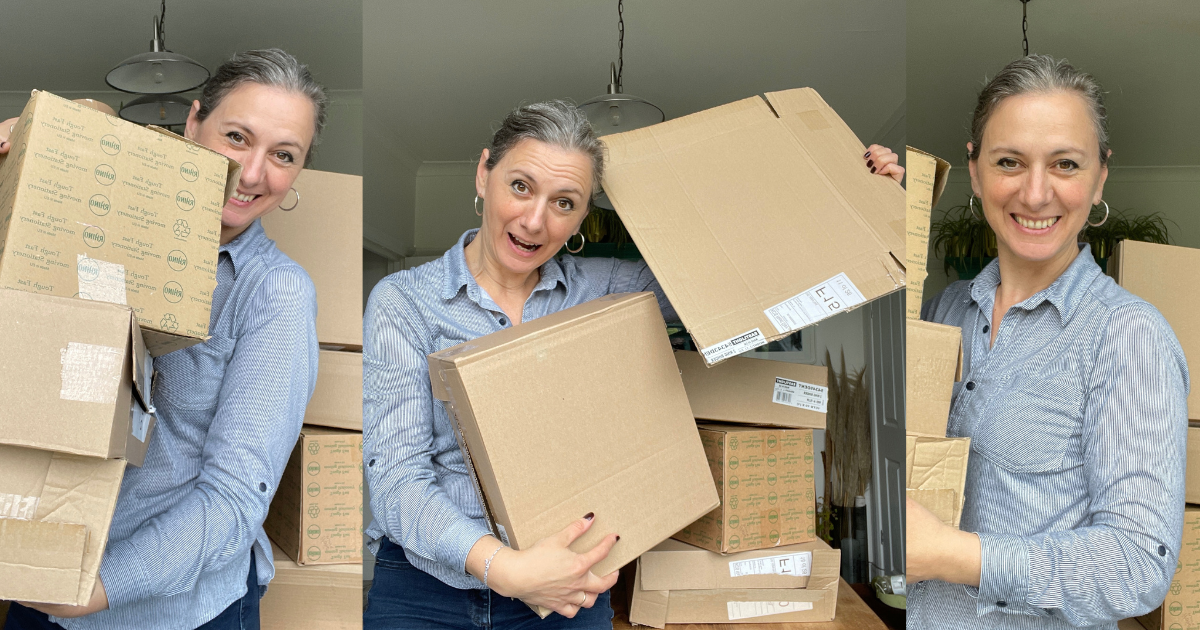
(1040, 73)
(558, 123)
(270, 67)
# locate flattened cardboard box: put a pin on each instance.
(1165, 276)
(677, 566)
(316, 515)
(75, 377)
(323, 234)
(1191, 490)
(936, 475)
(337, 399)
(322, 597)
(96, 207)
(933, 363)
(758, 217)
(579, 411)
(755, 391)
(925, 179)
(55, 511)
(817, 602)
(1181, 609)
(764, 477)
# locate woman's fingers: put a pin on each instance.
(883, 161)
(573, 531)
(6, 129)
(599, 552)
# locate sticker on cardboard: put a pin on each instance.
(809, 307)
(90, 373)
(733, 346)
(785, 564)
(746, 610)
(18, 507)
(799, 394)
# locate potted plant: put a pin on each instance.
(1148, 228)
(606, 236)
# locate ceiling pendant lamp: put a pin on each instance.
(157, 109)
(159, 71)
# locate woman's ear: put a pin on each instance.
(971, 167)
(481, 174)
(193, 123)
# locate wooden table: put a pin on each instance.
(852, 614)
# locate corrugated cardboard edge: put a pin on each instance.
(647, 608)
(925, 179)
(233, 170)
(826, 565)
(60, 549)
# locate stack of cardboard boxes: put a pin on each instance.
(108, 247)
(315, 519)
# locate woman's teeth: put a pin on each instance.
(244, 198)
(1036, 225)
(529, 247)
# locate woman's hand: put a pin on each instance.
(98, 602)
(883, 161)
(549, 574)
(6, 128)
(934, 550)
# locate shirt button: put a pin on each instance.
(1002, 603)
(985, 328)
(970, 385)
(503, 321)
(371, 463)
(262, 487)
(1162, 551)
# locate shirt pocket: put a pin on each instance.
(1035, 424)
(191, 378)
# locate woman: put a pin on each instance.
(1073, 393)
(437, 565)
(186, 548)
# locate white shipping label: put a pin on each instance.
(786, 564)
(745, 610)
(17, 506)
(90, 373)
(734, 346)
(828, 298)
(139, 422)
(99, 280)
(503, 534)
(799, 394)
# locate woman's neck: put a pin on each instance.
(507, 289)
(1021, 279)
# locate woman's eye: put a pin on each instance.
(236, 137)
(565, 204)
(1067, 165)
(1006, 163)
(520, 186)
(284, 156)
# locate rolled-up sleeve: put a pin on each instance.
(398, 440)
(1134, 439)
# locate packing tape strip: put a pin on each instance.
(746, 610)
(18, 507)
(90, 373)
(99, 280)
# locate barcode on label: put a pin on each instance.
(799, 394)
(746, 610)
(809, 307)
(785, 564)
(733, 346)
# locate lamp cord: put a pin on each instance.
(162, 26)
(1024, 26)
(620, 42)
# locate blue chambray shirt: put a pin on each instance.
(421, 492)
(229, 415)
(1078, 425)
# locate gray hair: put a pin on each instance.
(1040, 73)
(270, 67)
(557, 123)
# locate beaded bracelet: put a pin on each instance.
(487, 565)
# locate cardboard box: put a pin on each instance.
(55, 511)
(337, 399)
(1139, 268)
(75, 377)
(579, 411)
(675, 565)
(764, 477)
(1191, 491)
(925, 179)
(933, 363)
(937, 474)
(696, 597)
(95, 207)
(756, 391)
(1181, 609)
(323, 234)
(316, 515)
(323, 597)
(758, 217)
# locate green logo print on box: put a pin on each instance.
(105, 175)
(313, 489)
(177, 260)
(185, 200)
(314, 468)
(173, 292)
(93, 236)
(189, 171)
(99, 205)
(314, 531)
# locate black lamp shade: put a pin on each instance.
(157, 73)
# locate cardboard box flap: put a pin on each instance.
(160, 343)
(755, 391)
(648, 607)
(933, 363)
(936, 474)
(941, 171)
(41, 562)
(925, 178)
(675, 566)
(233, 173)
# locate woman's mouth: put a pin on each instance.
(243, 199)
(523, 246)
(1035, 225)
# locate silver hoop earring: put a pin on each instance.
(1105, 215)
(971, 205)
(293, 206)
(582, 240)
(477, 212)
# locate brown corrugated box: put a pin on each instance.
(96, 207)
(937, 474)
(698, 586)
(579, 411)
(1164, 276)
(758, 217)
(1191, 490)
(933, 363)
(322, 597)
(56, 510)
(925, 179)
(75, 377)
(316, 515)
(755, 391)
(1181, 609)
(323, 234)
(337, 399)
(764, 478)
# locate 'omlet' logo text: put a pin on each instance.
(99, 205)
(189, 171)
(93, 236)
(173, 292)
(110, 144)
(185, 200)
(105, 175)
(177, 260)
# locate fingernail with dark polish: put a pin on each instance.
(589, 516)
(870, 162)
(872, 169)
(867, 154)
(618, 539)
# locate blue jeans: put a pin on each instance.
(405, 597)
(240, 615)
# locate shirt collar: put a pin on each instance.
(244, 245)
(457, 275)
(1065, 293)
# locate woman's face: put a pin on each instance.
(268, 131)
(1038, 174)
(534, 199)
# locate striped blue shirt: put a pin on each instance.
(229, 415)
(422, 495)
(1078, 425)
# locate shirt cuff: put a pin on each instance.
(456, 541)
(121, 572)
(1004, 574)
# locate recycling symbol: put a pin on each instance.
(733, 502)
(314, 447)
(181, 229)
(314, 510)
(168, 323)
